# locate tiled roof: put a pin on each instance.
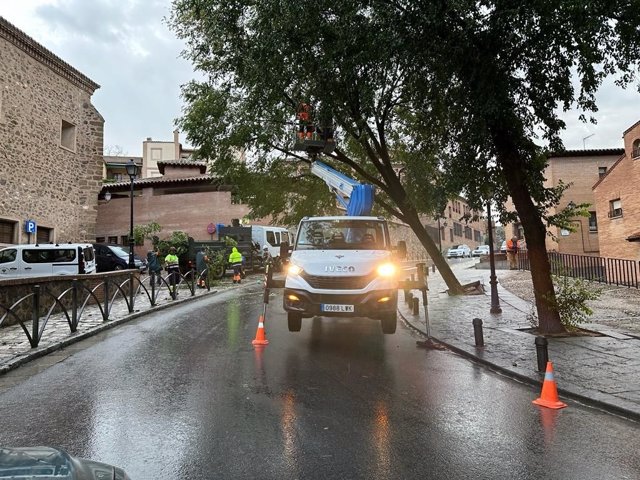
(632, 126)
(202, 166)
(144, 182)
(32, 48)
(587, 153)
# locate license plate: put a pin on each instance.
(332, 307)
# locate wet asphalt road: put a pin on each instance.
(183, 394)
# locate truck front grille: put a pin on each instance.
(338, 283)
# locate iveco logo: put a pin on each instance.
(340, 268)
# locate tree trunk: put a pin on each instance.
(535, 234)
(413, 220)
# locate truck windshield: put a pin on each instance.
(342, 234)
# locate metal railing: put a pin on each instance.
(42, 304)
(612, 271)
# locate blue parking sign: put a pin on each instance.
(30, 226)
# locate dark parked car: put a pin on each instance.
(115, 257)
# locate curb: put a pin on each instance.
(575, 392)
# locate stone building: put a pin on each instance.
(51, 140)
(618, 202)
(581, 169)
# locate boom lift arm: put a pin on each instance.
(356, 197)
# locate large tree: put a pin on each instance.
(463, 95)
(261, 59)
(505, 70)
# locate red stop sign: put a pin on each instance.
(211, 228)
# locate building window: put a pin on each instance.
(44, 235)
(593, 222)
(468, 233)
(635, 153)
(449, 212)
(7, 231)
(615, 208)
(451, 234)
(113, 240)
(477, 235)
(156, 154)
(602, 171)
(457, 229)
(68, 136)
(124, 239)
(117, 177)
(100, 239)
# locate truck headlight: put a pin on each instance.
(386, 270)
(294, 270)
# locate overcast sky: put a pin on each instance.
(126, 47)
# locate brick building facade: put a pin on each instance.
(618, 202)
(51, 140)
(581, 169)
(183, 198)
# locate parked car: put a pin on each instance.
(115, 257)
(47, 259)
(459, 251)
(480, 250)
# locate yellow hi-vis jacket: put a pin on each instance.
(235, 256)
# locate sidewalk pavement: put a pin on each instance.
(603, 371)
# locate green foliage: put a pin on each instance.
(179, 240)
(216, 262)
(570, 300)
(571, 297)
(146, 232)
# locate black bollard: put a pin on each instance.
(477, 332)
(542, 353)
(416, 306)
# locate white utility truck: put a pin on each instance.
(343, 267)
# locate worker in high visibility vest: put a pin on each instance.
(173, 268)
(235, 260)
(512, 252)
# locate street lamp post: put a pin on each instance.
(495, 300)
(132, 171)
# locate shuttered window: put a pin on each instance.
(7, 231)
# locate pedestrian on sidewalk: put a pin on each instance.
(512, 253)
(153, 263)
(173, 269)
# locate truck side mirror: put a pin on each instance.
(402, 250)
(284, 251)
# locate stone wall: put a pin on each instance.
(40, 179)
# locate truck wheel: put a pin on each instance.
(389, 323)
(295, 321)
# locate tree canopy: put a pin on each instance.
(429, 99)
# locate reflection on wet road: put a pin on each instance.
(183, 394)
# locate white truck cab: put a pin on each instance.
(343, 266)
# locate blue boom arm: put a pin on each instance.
(356, 197)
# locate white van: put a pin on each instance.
(47, 259)
(270, 237)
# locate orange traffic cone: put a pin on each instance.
(549, 396)
(261, 338)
